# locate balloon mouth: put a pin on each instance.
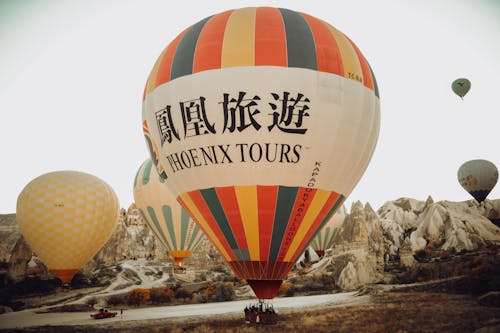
(265, 289)
(179, 256)
(480, 195)
(65, 275)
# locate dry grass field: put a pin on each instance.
(386, 312)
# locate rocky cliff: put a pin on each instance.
(131, 239)
(368, 242)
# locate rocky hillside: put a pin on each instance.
(131, 239)
(375, 246)
(368, 244)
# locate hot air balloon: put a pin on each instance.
(171, 224)
(263, 119)
(66, 217)
(324, 237)
(478, 178)
(461, 87)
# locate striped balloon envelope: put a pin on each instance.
(263, 120)
(171, 224)
(66, 217)
(324, 237)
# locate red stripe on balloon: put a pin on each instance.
(327, 51)
(330, 202)
(165, 66)
(229, 202)
(266, 203)
(208, 53)
(270, 38)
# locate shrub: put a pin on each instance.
(92, 301)
(224, 292)
(116, 299)
(182, 293)
(420, 255)
(283, 288)
(161, 295)
(290, 292)
(200, 298)
(5, 296)
(209, 291)
(138, 296)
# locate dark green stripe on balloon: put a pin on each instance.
(154, 219)
(136, 177)
(197, 243)
(196, 230)
(375, 85)
(301, 51)
(327, 233)
(320, 241)
(284, 207)
(147, 172)
(182, 63)
(213, 203)
(184, 227)
(330, 242)
(169, 221)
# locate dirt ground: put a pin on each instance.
(399, 312)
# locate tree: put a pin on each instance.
(138, 296)
(161, 295)
(224, 292)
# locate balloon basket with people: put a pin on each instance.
(261, 312)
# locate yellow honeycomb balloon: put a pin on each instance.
(66, 217)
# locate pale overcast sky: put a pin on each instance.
(72, 74)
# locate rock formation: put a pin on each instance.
(358, 253)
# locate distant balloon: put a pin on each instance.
(171, 224)
(264, 120)
(66, 217)
(324, 238)
(478, 177)
(461, 87)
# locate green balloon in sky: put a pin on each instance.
(461, 87)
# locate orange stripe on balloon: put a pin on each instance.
(208, 53)
(266, 200)
(229, 202)
(145, 127)
(365, 68)
(150, 84)
(332, 199)
(270, 38)
(302, 202)
(327, 50)
(165, 65)
(200, 203)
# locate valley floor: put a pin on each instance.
(381, 312)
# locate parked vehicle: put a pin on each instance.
(103, 313)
